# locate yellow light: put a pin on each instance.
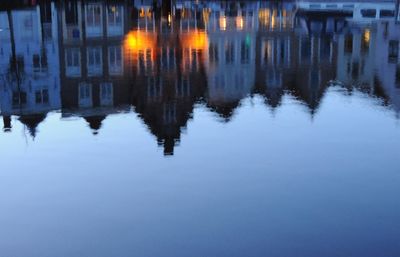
(239, 22)
(141, 13)
(273, 21)
(194, 40)
(139, 40)
(222, 23)
(206, 15)
(264, 16)
(169, 18)
(367, 36)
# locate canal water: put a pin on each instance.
(214, 129)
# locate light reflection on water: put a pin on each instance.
(222, 130)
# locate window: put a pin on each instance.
(85, 95)
(365, 41)
(114, 15)
(398, 77)
(93, 15)
(186, 59)
(268, 57)
(325, 49)
(348, 6)
(154, 89)
(230, 52)
(72, 14)
(183, 88)
(73, 61)
(274, 78)
(213, 53)
(145, 62)
(245, 52)
(393, 50)
(355, 70)
(348, 43)
(42, 96)
(386, 13)
(94, 64)
(94, 22)
(283, 51)
(106, 93)
(114, 20)
(305, 49)
(169, 113)
(115, 60)
(18, 98)
(40, 62)
(167, 58)
(194, 58)
(368, 13)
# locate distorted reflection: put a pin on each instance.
(90, 59)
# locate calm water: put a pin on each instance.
(217, 130)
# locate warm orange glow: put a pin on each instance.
(273, 22)
(239, 22)
(206, 15)
(194, 40)
(139, 40)
(143, 13)
(367, 36)
(264, 17)
(222, 23)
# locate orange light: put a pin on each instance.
(222, 23)
(142, 13)
(195, 40)
(239, 22)
(139, 40)
(264, 16)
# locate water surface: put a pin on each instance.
(231, 130)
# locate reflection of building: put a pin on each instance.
(93, 72)
(355, 11)
(276, 47)
(356, 57)
(104, 56)
(29, 64)
(168, 64)
(291, 61)
(388, 63)
(230, 65)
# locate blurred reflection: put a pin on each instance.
(94, 58)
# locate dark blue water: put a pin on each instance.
(209, 130)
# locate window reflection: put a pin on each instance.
(91, 59)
